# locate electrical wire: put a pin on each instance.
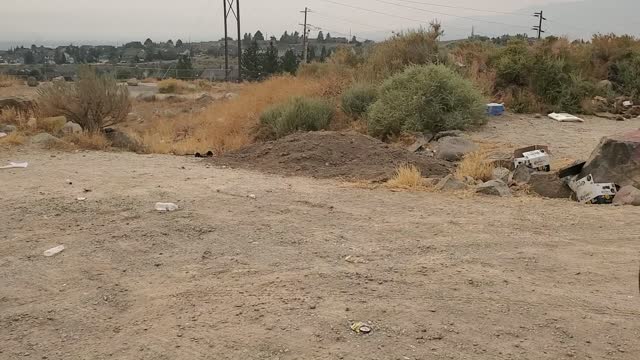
(466, 8)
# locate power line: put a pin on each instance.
(465, 8)
(538, 27)
(452, 15)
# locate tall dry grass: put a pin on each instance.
(229, 125)
(407, 177)
(475, 165)
(9, 81)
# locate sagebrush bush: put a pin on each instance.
(356, 100)
(513, 65)
(298, 114)
(625, 75)
(94, 101)
(426, 98)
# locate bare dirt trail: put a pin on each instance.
(438, 276)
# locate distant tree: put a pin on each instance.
(328, 37)
(285, 38)
(258, 36)
(148, 42)
(34, 48)
(295, 38)
(135, 60)
(184, 68)
(290, 62)
(323, 54)
(29, 58)
(270, 60)
(273, 39)
(170, 42)
(59, 57)
(320, 36)
(252, 62)
(354, 40)
(311, 53)
(179, 43)
(148, 56)
(247, 39)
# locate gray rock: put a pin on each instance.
(501, 174)
(605, 85)
(454, 148)
(147, 97)
(32, 82)
(71, 128)
(520, 176)
(451, 183)
(45, 140)
(616, 160)
(18, 103)
(58, 79)
(121, 140)
(132, 82)
(494, 188)
(549, 185)
(8, 129)
(627, 195)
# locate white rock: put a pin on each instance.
(54, 251)
(166, 207)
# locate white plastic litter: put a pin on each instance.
(54, 251)
(564, 117)
(627, 103)
(2, 135)
(15, 165)
(166, 207)
(82, 199)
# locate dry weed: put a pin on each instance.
(175, 86)
(407, 177)
(475, 165)
(9, 81)
(88, 141)
(13, 139)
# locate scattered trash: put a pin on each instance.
(564, 117)
(361, 328)
(534, 157)
(15, 165)
(166, 207)
(589, 192)
(2, 134)
(54, 251)
(627, 103)
(252, 196)
(495, 109)
(69, 182)
(354, 260)
(81, 199)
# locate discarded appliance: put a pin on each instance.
(534, 157)
(589, 192)
(564, 117)
(495, 109)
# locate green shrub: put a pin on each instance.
(426, 98)
(298, 114)
(625, 75)
(513, 65)
(357, 99)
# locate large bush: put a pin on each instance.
(95, 101)
(357, 99)
(298, 114)
(426, 98)
(513, 65)
(625, 75)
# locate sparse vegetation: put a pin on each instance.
(425, 98)
(357, 99)
(9, 80)
(94, 101)
(174, 86)
(407, 177)
(475, 165)
(297, 114)
(88, 141)
(14, 139)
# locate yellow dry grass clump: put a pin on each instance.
(229, 125)
(407, 177)
(174, 86)
(13, 139)
(475, 165)
(88, 141)
(9, 81)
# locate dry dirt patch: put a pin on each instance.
(329, 154)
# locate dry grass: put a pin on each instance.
(229, 125)
(174, 86)
(88, 141)
(13, 139)
(9, 81)
(407, 177)
(475, 165)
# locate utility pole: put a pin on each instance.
(304, 36)
(538, 28)
(228, 10)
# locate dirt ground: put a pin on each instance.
(284, 275)
(329, 154)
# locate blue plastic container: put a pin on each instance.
(494, 109)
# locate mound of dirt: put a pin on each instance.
(351, 156)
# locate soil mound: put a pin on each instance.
(350, 155)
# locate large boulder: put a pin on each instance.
(520, 176)
(494, 188)
(120, 140)
(17, 103)
(549, 185)
(628, 195)
(616, 160)
(71, 128)
(454, 148)
(45, 140)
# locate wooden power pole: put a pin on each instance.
(538, 27)
(304, 36)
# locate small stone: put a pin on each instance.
(54, 251)
(501, 174)
(520, 176)
(494, 188)
(451, 183)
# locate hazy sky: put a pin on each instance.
(115, 21)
